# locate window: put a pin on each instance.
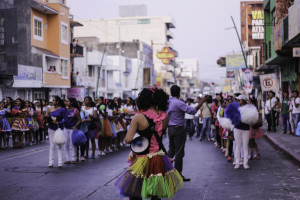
(64, 67)
(37, 28)
(2, 37)
(64, 33)
(91, 69)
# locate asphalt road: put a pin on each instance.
(24, 175)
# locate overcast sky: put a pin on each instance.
(199, 31)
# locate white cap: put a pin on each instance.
(241, 97)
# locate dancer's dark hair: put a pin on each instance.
(152, 97)
(59, 101)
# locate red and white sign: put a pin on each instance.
(268, 82)
(165, 55)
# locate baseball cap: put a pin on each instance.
(241, 97)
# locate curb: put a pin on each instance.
(282, 147)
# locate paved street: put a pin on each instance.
(24, 175)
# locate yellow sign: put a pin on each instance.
(165, 55)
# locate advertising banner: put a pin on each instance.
(227, 86)
(76, 92)
(235, 61)
(230, 74)
(268, 82)
(247, 80)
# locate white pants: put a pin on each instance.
(241, 137)
(52, 149)
(69, 147)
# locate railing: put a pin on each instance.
(76, 51)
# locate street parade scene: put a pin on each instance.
(155, 100)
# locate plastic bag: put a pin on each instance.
(59, 137)
(78, 138)
(298, 129)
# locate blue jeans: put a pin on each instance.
(206, 127)
(198, 126)
(296, 117)
(286, 121)
(189, 127)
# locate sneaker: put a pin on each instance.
(50, 165)
(246, 166)
(236, 166)
(228, 159)
(60, 165)
(257, 157)
(82, 158)
(283, 132)
(110, 151)
(185, 179)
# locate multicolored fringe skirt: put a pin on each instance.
(150, 176)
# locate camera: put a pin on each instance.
(209, 99)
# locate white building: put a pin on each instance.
(154, 31)
(188, 76)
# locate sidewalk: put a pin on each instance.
(290, 144)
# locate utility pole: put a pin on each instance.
(240, 42)
(99, 70)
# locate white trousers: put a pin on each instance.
(241, 138)
(70, 149)
(52, 149)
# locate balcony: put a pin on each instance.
(76, 51)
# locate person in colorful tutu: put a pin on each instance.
(152, 174)
(19, 124)
(4, 125)
(9, 105)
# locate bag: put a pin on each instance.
(83, 127)
(107, 129)
(297, 132)
(256, 133)
(59, 137)
(78, 138)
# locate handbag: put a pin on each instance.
(59, 137)
(83, 127)
(107, 129)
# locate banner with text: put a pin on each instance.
(268, 82)
(235, 61)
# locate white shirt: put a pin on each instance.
(296, 110)
(89, 111)
(188, 116)
(267, 107)
(273, 101)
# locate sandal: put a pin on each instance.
(67, 162)
(258, 156)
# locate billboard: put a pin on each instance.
(247, 80)
(252, 22)
(235, 61)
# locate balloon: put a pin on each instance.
(102, 107)
(125, 110)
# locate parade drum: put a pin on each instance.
(139, 144)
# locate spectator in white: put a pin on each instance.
(267, 112)
(189, 120)
(296, 108)
(273, 104)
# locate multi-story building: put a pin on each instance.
(154, 31)
(123, 68)
(279, 43)
(188, 77)
(43, 55)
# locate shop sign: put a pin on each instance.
(296, 52)
(230, 74)
(165, 55)
(235, 61)
(268, 82)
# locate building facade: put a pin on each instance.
(43, 55)
(154, 31)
